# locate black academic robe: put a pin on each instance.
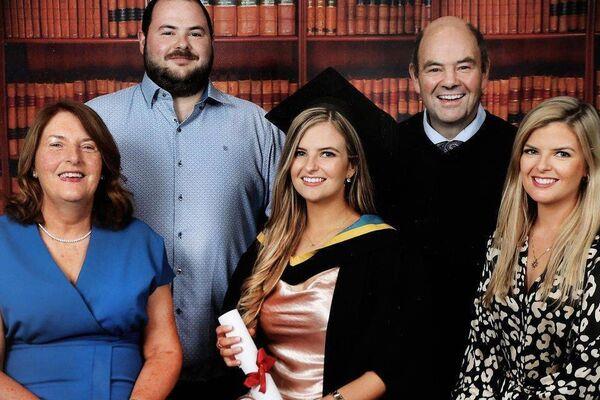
(364, 309)
(446, 206)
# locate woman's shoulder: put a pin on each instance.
(9, 226)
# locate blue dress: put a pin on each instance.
(78, 341)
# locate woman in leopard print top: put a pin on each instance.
(536, 331)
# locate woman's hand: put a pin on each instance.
(226, 345)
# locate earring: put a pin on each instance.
(101, 177)
(348, 180)
(34, 174)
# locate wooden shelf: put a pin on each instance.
(530, 36)
(235, 39)
(362, 38)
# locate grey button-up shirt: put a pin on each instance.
(203, 184)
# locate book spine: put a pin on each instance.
(475, 13)
(130, 22)
(28, 18)
(98, 20)
(140, 5)
(547, 87)
(538, 90)
(504, 12)
(403, 97)
(331, 18)
(11, 120)
(342, 17)
(413, 98)
(256, 92)
(393, 18)
(377, 92)
(401, 16)
(383, 22)
(35, 15)
(496, 99)
(572, 15)
(489, 15)
(21, 104)
(545, 16)
(361, 17)
(409, 16)
(522, 16)
(286, 17)
(553, 16)
(496, 16)
(582, 7)
(44, 28)
(418, 10)
(466, 10)
(267, 18)
(368, 89)
(320, 16)
(276, 90)
(72, 18)
(504, 91)
(225, 15)
(514, 92)
(513, 16)
(121, 16)
(483, 26)
(372, 16)
(248, 18)
(284, 88)
(537, 16)
(394, 98)
(311, 27)
(113, 30)
(245, 88)
(267, 94)
(386, 94)
(351, 6)
(562, 16)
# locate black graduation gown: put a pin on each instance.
(446, 205)
(364, 308)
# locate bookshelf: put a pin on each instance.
(297, 58)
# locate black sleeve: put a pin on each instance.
(243, 270)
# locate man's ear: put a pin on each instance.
(413, 71)
(141, 40)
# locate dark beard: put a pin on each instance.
(187, 86)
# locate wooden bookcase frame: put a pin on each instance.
(590, 38)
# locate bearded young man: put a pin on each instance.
(200, 164)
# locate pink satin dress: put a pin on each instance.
(294, 320)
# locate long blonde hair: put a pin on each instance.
(288, 219)
(518, 212)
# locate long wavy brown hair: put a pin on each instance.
(113, 205)
(288, 219)
(518, 212)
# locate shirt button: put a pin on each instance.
(164, 95)
(178, 130)
(179, 235)
(178, 311)
(179, 271)
(180, 197)
(179, 164)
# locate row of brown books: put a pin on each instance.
(514, 97)
(253, 17)
(25, 99)
(520, 16)
(597, 91)
(367, 17)
(395, 95)
(72, 18)
(122, 18)
(266, 93)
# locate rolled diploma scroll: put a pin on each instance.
(248, 355)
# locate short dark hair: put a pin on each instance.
(483, 53)
(113, 204)
(147, 17)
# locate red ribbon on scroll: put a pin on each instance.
(264, 363)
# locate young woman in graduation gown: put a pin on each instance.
(317, 287)
(536, 333)
(85, 301)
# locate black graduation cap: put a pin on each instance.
(376, 128)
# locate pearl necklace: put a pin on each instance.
(60, 240)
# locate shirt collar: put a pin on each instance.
(151, 91)
(464, 135)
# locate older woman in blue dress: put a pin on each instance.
(85, 299)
